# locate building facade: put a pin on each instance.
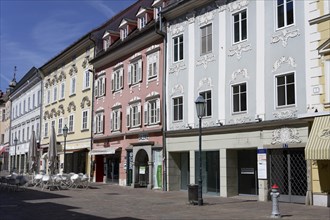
(25, 117)
(128, 145)
(241, 57)
(67, 101)
(4, 130)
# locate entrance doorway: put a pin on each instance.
(141, 169)
(112, 168)
(184, 168)
(247, 172)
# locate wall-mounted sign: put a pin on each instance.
(142, 170)
(262, 164)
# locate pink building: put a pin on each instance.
(128, 143)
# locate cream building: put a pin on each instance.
(67, 92)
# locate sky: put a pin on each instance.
(34, 31)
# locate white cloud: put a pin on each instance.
(102, 8)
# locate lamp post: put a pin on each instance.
(15, 141)
(65, 133)
(200, 108)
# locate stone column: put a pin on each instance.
(150, 167)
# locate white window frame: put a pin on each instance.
(86, 80)
(208, 33)
(153, 65)
(60, 126)
(133, 115)
(207, 99)
(152, 112)
(239, 94)
(240, 27)
(135, 72)
(285, 89)
(71, 123)
(46, 129)
(39, 97)
(100, 85)
(48, 97)
(84, 120)
(62, 90)
(178, 108)
(99, 122)
(142, 21)
(55, 93)
(106, 43)
(178, 48)
(115, 120)
(28, 131)
(117, 80)
(73, 85)
(124, 32)
(285, 25)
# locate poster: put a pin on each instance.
(262, 164)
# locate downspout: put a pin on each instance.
(163, 34)
(92, 112)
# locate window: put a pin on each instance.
(84, 120)
(117, 80)
(178, 48)
(135, 72)
(37, 132)
(285, 88)
(48, 96)
(46, 129)
(23, 134)
(124, 33)
(208, 102)
(239, 98)
(152, 65)
(3, 115)
(240, 26)
(28, 132)
(73, 86)
(206, 39)
(106, 43)
(284, 13)
(33, 101)
(100, 87)
(54, 93)
(39, 97)
(115, 120)
(20, 108)
(99, 118)
(86, 79)
(71, 123)
(178, 108)
(152, 112)
(24, 106)
(60, 126)
(142, 21)
(62, 92)
(133, 115)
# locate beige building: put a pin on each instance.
(4, 130)
(67, 101)
(317, 151)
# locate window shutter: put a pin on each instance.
(111, 121)
(158, 110)
(119, 120)
(112, 82)
(140, 70)
(96, 90)
(104, 86)
(121, 78)
(128, 116)
(129, 74)
(102, 123)
(94, 124)
(146, 116)
(150, 70)
(139, 115)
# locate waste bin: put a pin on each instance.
(193, 193)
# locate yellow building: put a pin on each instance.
(317, 151)
(67, 101)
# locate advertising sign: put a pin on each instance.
(262, 164)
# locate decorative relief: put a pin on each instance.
(85, 100)
(240, 120)
(152, 94)
(73, 69)
(204, 60)
(175, 68)
(46, 84)
(207, 82)
(285, 114)
(135, 99)
(60, 109)
(46, 115)
(232, 7)
(243, 73)
(153, 47)
(71, 106)
(178, 126)
(177, 29)
(136, 55)
(191, 17)
(85, 62)
(238, 49)
(284, 36)
(283, 59)
(53, 113)
(285, 135)
(177, 89)
(206, 18)
(116, 105)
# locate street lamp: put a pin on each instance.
(65, 133)
(15, 141)
(200, 109)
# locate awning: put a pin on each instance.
(318, 144)
(108, 150)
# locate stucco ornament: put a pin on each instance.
(238, 49)
(176, 68)
(73, 69)
(285, 114)
(285, 135)
(84, 101)
(191, 17)
(177, 29)
(289, 60)
(85, 62)
(71, 106)
(205, 82)
(60, 109)
(240, 73)
(240, 120)
(177, 90)
(284, 36)
(204, 60)
(237, 5)
(206, 18)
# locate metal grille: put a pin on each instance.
(288, 171)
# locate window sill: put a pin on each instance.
(284, 27)
(240, 42)
(60, 100)
(286, 106)
(239, 113)
(74, 94)
(84, 130)
(152, 78)
(86, 89)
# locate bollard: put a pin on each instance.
(275, 194)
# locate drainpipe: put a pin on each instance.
(163, 34)
(92, 111)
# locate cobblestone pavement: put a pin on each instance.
(104, 201)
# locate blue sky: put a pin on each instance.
(34, 31)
